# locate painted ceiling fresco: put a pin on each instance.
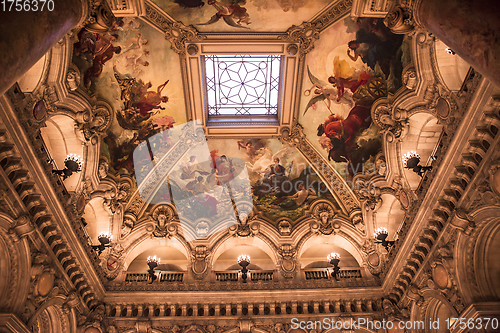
(264, 174)
(134, 69)
(242, 15)
(352, 64)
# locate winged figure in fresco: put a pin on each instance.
(140, 103)
(326, 92)
(233, 15)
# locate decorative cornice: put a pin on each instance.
(51, 202)
(332, 14)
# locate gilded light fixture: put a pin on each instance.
(244, 261)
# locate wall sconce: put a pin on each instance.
(381, 237)
(104, 238)
(411, 160)
(334, 259)
(153, 262)
(72, 163)
(244, 261)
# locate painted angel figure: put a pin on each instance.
(345, 77)
(326, 92)
(229, 14)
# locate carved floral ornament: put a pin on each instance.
(179, 35)
(100, 17)
(305, 34)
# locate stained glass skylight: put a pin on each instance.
(242, 85)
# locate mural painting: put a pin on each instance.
(251, 173)
(134, 69)
(233, 15)
(343, 82)
(283, 184)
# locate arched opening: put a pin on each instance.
(423, 136)
(60, 139)
(242, 244)
(390, 215)
(452, 68)
(488, 264)
(228, 260)
(316, 248)
(315, 256)
(30, 80)
(438, 312)
(172, 260)
(97, 219)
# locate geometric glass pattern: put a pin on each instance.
(242, 85)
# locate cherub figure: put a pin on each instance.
(229, 14)
(325, 92)
(345, 77)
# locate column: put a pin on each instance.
(27, 35)
(471, 28)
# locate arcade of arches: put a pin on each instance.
(107, 126)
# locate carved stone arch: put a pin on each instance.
(389, 215)
(260, 241)
(423, 136)
(473, 268)
(141, 241)
(97, 217)
(14, 267)
(450, 69)
(341, 240)
(60, 140)
(59, 321)
(435, 306)
(342, 225)
(34, 80)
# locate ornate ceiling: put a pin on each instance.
(165, 181)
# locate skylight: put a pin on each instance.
(242, 86)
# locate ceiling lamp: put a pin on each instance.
(104, 238)
(244, 261)
(153, 262)
(381, 238)
(334, 259)
(72, 163)
(411, 160)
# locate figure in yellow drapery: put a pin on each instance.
(344, 76)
